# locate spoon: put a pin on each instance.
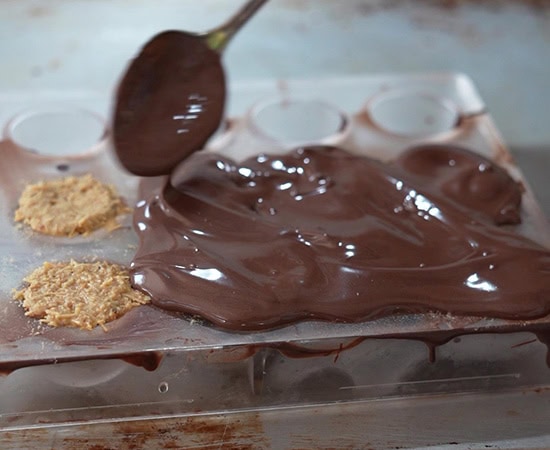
(172, 96)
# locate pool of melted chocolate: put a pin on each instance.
(319, 233)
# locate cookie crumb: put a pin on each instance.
(81, 295)
(70, 206)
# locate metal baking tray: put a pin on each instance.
(144, 354)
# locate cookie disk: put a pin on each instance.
(76, 294)
(69, 206)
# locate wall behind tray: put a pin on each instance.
(503, 45)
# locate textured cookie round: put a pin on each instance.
(69, 206)
(82, 295)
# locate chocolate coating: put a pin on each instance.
(319, 233)
(169, 102)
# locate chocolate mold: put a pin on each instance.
(207, 369)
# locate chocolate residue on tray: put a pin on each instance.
(319, 233)
(150, 361)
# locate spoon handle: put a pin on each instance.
(218, 38)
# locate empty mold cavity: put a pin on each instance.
(56, 131)
(412, 114)
(292, 122)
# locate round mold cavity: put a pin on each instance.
(83, 374)
(412, 114)
(57, 131)
(294, 122)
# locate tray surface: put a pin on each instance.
(382, 116)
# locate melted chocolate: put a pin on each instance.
(319, 233)
(150, 361)
(168, 104)
(544, 338)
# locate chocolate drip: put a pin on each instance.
(150, 361)
(544, 338)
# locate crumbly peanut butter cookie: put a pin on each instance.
(69, 206)
(77, 294)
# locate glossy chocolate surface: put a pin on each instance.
(319, 233)
(169, 102)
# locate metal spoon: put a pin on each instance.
(218, 38)
(172, 96)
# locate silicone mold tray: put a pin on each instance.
(194, 368)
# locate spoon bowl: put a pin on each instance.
(172, 97)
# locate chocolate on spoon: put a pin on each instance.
(172, 96)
